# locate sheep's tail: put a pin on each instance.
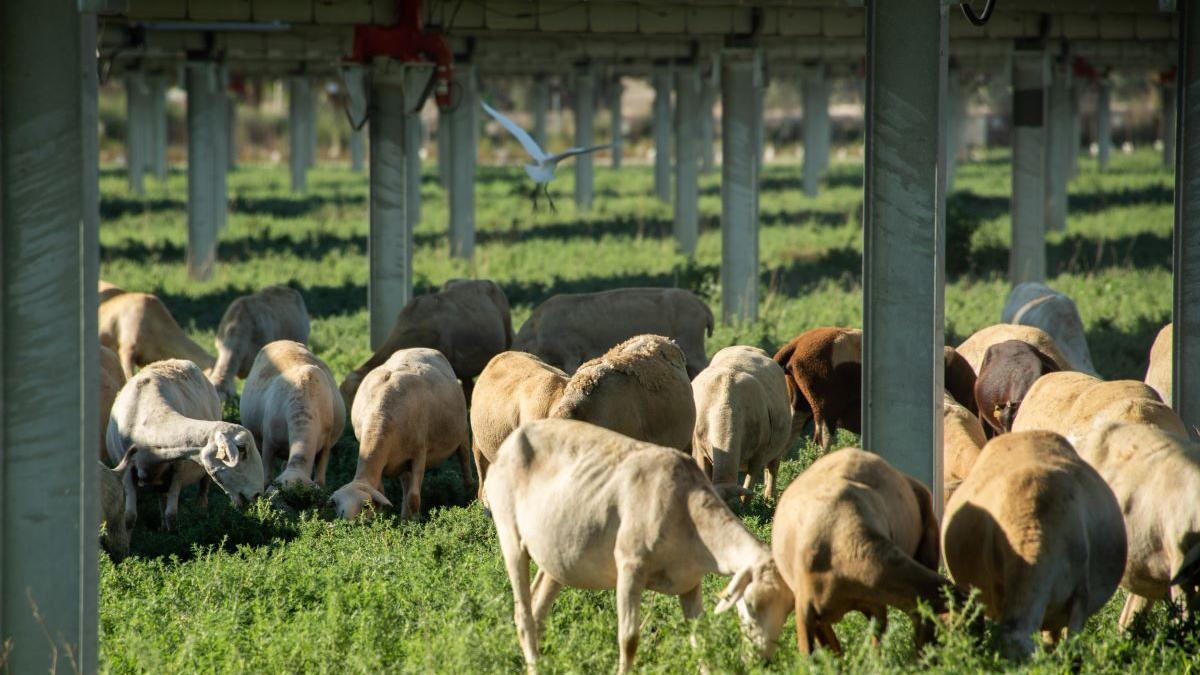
(709, 318)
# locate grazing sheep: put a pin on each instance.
(1072, 404)
(1035, 304)
(973, 348)
(639, 388)
(743, 419)
(171, 413)
(598, 510)
(140, 330)
(1049, 400)
(570, 328)
(853, 533)
(291, 404)
(112, 378)
(1159, 373)
(1154, 474)
(824, 381)
(252, 321)
(467, 321)
(962, 439)
(411, 415)
(1039, 533)
(513, 389)
(1009, 369)
(114, 537)
(960, 379)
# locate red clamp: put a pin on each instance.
(407, 40)
(1084, 70)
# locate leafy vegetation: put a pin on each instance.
(279, 587)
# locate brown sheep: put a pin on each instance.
(513, 389)
(467, 321)
(824, 380)
(1159, 373)
(570, 328)
(973, 348)
(639, 388)
(140, 329)
(250, 323)
(962, 440)
(1009, 369)
(1039, 533)
(853, 533)
(112, 378)
(960, 379)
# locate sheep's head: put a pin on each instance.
(763, 602)
(231, 458)
(351, 497)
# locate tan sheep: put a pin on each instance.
(975, 347)
(467, 321)
(513, 389)
(140, 330)
(1039, 533)
(743, 419)
(1159, 374)
(598, 510)
(570, 328)
(410, 415)
(639, 388)
(1048, 402)
(114, 534)
(1073, 406)
(852, 533)
(291, 404)
(250, 322)
(962, 440)
(112, 378)
(1155, 475)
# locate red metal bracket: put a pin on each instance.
(407, 40)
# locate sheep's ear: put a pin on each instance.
(1189, 570)
(126, 461)
(229, 453)
(377, 497)
(733, 592)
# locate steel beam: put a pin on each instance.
(158, 115)
(462, 164)
(443, 149)
(956, 113)
(661, 80)
(1076, 127)
(585, 136)
(539, 100)
(414, 131)
(1167, 93)
(708, 125)
(815, 92)
(231, 153)
(390, 244)
(300, 123)
(206, 119)
(48, 192)
(1027, 256)
(1058, 146)
(616, 120)
(1186, 306)
(741, 86)
(1103, 123)
(904, 237)
(687, 166)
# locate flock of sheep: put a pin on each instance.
(608, 449)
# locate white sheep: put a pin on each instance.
(250, 322)
(1033, 303)
(1160, 374)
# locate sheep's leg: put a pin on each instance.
(629, 601)
(692, 603)
(516, 562)
(880, 617)
(806, 627)
(772, 473)
(464, 467)
(481, 469)
(1135, 605)
(754, 476)
(127, 360)
(130, 485)
(1183, 598)
(828, 638)
(545, 590)
(202, 492)
(323, 464)
(171, 503)
(412, 488)
(268, 456)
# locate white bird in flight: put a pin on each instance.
(541, 171)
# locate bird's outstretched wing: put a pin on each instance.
(559, 156)
(535, 151)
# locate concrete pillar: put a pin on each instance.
(1167, 92)
(231, 152)
(616, 120)
(687, 166)
(206, 119)
(1186, 305)
(158, 115)
(1076, 127)
(1058, 146)
(708, 125)
(539, 100)
(741, 85)
(443, 149)
(904, 237)
(585, 136)
(313, 98)
(48, 520)
(462, 164)
(414, 134)
(1027, 256)
(661, 81)
(390, 243)
(357, 150)
(138, 130)
(952, 123)
(300, 121)
(1103, 123)
(815, 92)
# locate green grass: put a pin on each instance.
(284, 589)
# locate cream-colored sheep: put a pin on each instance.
(570, 328)
(962, 440)
(1048, 402)
(639, 388)
(852, 533)
(975, 347)
(140, 330)
(1073, 406)
(1039, 533)
(468, 321)
(251, 322)
(513, 389)
(112, 378)
(743, 419)
(291, 404)
(410, 415)
(1155, 475)
(1159, 373)
(114, 534)
(171, 413)
(1033, 303)
(598, 510)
